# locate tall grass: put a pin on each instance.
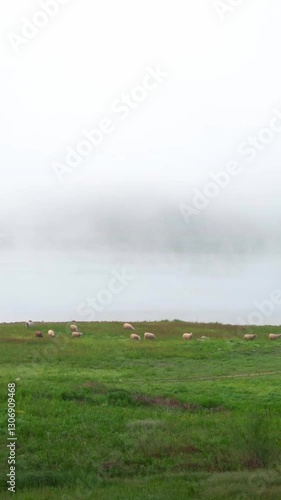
(256, 439)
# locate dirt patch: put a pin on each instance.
(253, 463)
(120, 397)
(171, 403)
(108, 466)
(166, 402)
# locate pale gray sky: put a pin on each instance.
(121, 204)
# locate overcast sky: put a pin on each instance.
(172, 94)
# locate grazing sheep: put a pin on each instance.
(127, 326)
(274, 336)
(250, 336)
(76, 334)
(133, 336)
(187, 336)
(38, 334)
(51, 333)
(73, 328)
(149, 336)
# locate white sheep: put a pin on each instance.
(133, 336)
(187, 336)
(76, 334)
(250, 336)
(51, 333)
(274, 336)
(73, 328)
(127, 326)
(29, 324)
(149, 336)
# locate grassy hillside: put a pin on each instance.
(104, 417)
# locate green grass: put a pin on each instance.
(104, 417)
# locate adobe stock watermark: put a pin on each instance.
(262, 311)
(224, 7)
(121, 108)
(11, 481)
(31, 27)
(118, 282)
(220, 180)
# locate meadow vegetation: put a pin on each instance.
(102, 417)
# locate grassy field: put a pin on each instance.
(102, 417)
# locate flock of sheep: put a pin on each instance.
(188, 336)
(134, 336)
(147, 336)
(150, 336)
(51, 333)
